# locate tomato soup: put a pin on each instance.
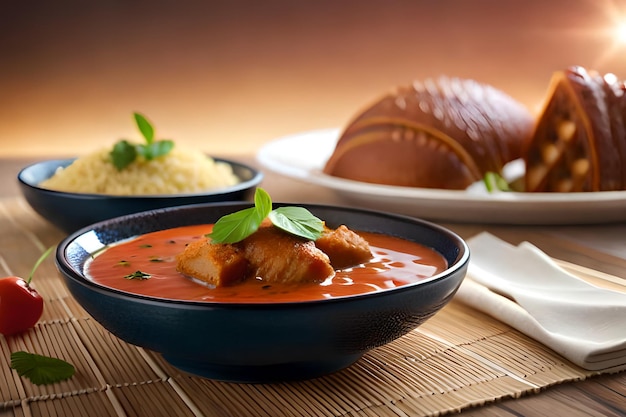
(146, 265)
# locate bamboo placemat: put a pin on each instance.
(458, 359)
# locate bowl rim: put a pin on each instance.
(64, 266)
(255, 179)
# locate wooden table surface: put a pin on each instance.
(601, 247)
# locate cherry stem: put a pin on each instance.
(39, 261)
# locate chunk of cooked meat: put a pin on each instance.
(344, 247)
(218, 265)
(276, 256)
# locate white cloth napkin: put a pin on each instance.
(524, 288)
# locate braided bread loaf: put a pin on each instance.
(580, 140)
(441, 133)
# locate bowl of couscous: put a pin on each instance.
(130, 177)
(76, 192)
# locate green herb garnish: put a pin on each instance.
(138, 275)
(237, 226)
(495, 182)
(297, 221)
(125, 152)
(41, 370)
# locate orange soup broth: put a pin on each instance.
(395, 262)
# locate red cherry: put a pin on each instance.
(21, 306)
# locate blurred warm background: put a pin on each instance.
(228, 76)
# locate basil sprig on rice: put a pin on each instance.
(125, 152)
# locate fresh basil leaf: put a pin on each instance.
(495, 182)
(144, 151)
(41, 370)
(262, 203)
(161, 147)
(145, 127)
(123, 154)
(236, 226)
(297, 221)
(155, 149)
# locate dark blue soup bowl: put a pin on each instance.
(71, 211)
(262, 342)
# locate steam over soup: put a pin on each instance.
(146, 265)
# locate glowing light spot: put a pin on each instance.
(620, 32)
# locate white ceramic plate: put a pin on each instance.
(302, 156)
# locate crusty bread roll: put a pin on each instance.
(441, 133)
(580, 140)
